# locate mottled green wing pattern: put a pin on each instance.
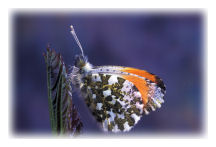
(115, 102)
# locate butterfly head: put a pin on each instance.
(80, 69)
(82, 63)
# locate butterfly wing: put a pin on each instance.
(114, 101)
(150, 86)
(118, 96)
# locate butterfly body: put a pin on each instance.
(117, 96)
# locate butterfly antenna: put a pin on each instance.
(76, 39)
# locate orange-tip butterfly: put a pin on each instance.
(117, 96)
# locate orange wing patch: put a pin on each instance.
(141, 85)
(142, 73)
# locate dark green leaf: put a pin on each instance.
(63, 114)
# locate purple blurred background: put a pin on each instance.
(168, 45)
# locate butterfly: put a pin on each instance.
(117, 96)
